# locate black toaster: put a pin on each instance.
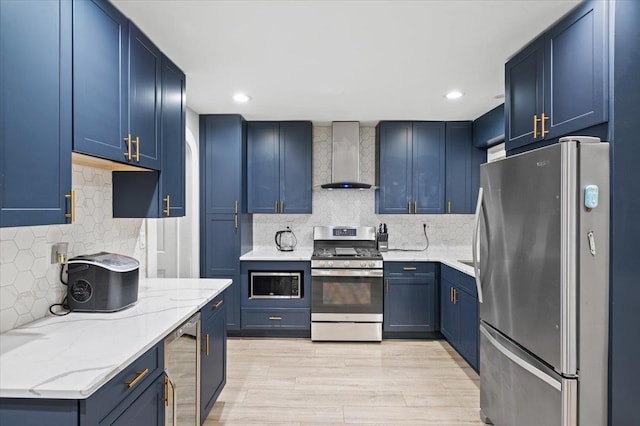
(102, 282)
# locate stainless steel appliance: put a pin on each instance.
(286, 240)
(182, 367)
(543, 277)
(102, 282)
(276, 285)
(346, 284)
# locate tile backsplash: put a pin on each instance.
(354, 207)
(29, 283)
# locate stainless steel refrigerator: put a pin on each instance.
(541, 255)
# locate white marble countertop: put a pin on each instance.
(448, 255)
(271, 253)
(70, 357)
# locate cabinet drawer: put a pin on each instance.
(299, 319)
(459, 279)
(212, 306)
(409, 268)
(135, 377)
(468, 283)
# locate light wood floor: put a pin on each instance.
(299, 382)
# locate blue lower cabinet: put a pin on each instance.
(410, 299)
(213, 374)
(276, 318)
(146, 409)
(36, 412)
(459, 320)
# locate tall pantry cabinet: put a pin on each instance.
(226, 230)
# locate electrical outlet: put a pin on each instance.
(59, 253)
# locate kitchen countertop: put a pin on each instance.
(450, 256)
(71, 356)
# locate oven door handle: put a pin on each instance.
(346, 273)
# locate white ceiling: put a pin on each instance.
(343, 60)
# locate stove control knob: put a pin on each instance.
(330, 263)
(367, 264)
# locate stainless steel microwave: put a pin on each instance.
(275, 285)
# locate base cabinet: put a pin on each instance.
(410, 296)
(147, 409)
(459, 321)
(213, 373)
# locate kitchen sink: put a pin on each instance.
(467, 262)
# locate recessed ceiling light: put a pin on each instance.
(241, 97)
(454, 94)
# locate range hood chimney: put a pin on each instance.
(345, 156)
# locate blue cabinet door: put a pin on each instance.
(488, 129)
(428, 167)
(469, 326)
(575, 71)
(35, 112)
(100, 79)
(448, 312)
(263, 171)
(147, 409)
(409, 305)
(144, 99)
(458, 167)
(213, 373)
(394, 158)
(524, 95)
(221, 162)
(172, 175)
(295, 167)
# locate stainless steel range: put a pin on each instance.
(346, 284)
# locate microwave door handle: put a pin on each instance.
(476, 229)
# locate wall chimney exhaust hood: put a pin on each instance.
(345, 156)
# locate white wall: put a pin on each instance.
(29, 283)
(354, 207)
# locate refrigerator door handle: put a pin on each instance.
(476, 228)
(522, 363)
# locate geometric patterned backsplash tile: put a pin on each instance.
(353, 207)
(29, 283)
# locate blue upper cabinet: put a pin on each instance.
(394, 161)
(279, 177)
(575, 71)
(410, 167)
(173, 132)
(156, 194)
(116, 87)
(428, 167)
(559, 83)
(488, 129)
(458, 167)
(35, 112)
(100, 79)
(144, 99)
(524, 95)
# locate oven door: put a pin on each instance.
(346, 295)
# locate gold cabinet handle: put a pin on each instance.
(206, 344)
(167, 200)
(139, 376)
(409, 268)
(387, 284)
(275, 318)
(281, 206)
(275, 206)
(449, 207)
(128, 154)
(166, 392)
(137, 142)
(409, 207)
(415, 207)
(235, 221)
(72, 208)
(217, 304)
(542, 120)
(235, 207)
(455, 296)
(450, 294)
(535, 126)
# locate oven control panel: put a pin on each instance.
(356, 264)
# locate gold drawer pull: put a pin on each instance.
(217, 304)
(206, 348)
(275, 318)
(140, 375)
